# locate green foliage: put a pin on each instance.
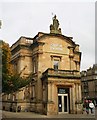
(6, 66)
(6, 59)
(10, 82)
(14, 83)
(0, 61)
(5, 80)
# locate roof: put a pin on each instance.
(41, 35)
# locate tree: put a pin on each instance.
(6, 65)
(0, 66)
(10, 82)
(6, 59)
(14, 83)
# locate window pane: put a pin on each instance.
(60, 103)
(65, 103)
(56, 62)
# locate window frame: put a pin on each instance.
(56, 58)
(34, 64)
(56, 63)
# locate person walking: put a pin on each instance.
(87, 106)
(91, 106)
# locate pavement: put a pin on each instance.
(7, 114)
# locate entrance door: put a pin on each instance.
(63, 103)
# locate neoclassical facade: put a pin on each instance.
(53, 62)
(89, 84)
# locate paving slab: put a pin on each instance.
(6, 114)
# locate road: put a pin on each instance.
(6, 114)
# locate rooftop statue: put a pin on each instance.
(55, 23)
(54, 28)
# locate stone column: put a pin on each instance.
(49, 91)
(52, 99)
(72, 100)
(71, 63)
(77, 97)
(80, 96)
(77, 91)
(39, 90)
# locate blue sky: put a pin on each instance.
(28, 17)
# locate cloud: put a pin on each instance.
(28, 18)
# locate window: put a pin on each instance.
(56, 64)
(34, 66)
(15, 67)
(95, 71)
(85, 83)
(85, 90)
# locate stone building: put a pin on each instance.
(53, 61)
(89, 83)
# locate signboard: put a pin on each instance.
(56, 46)
(63, 90)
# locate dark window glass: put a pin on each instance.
(63, 90)
(60, 103)
(65, 103)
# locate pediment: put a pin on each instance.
(43, 37)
